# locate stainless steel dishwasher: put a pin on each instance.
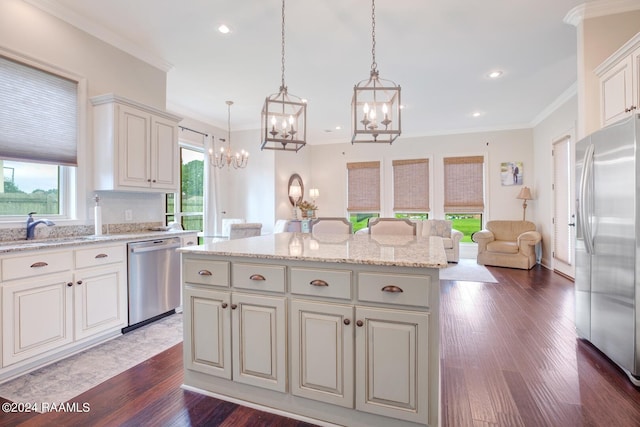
(154, 280)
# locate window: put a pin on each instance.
(464, 193)
(38, 139)
(189, 208)
(363, 192)
(411, 188)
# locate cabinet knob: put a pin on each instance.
(359, 323)
(153, 180)
(70, 284)
(79, 282)
(225, 305)
(234, 306)
(258, 277)
(392, 288)
(149, 180)
(318, 282)
(346, 321)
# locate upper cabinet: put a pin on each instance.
(135, 146)
(620, 82)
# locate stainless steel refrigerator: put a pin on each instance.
(608, 243)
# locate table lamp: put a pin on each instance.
(524, 195)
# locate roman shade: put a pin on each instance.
(463, 184)
(39, 115)
(411, 185)
(363, 186)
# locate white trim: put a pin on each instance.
(599, 8)
(559, 101)
(102, 33)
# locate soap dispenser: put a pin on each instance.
(97, 216)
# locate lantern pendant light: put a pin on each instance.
(284, 116)
(375, 107)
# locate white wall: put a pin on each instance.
(329, 175)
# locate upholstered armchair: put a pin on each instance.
(508, 244)
(450, 237)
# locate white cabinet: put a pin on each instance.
(190, 239)
(51, 299)
(620, 83)
(234, 335)
(36, 316)
(136, 147)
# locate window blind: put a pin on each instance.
(411, 185)
(38, 115)
(463, 184)
(363, 190)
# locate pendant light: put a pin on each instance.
(225, 157)
(375, 107)
(284, 116)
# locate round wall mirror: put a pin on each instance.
(295, 189)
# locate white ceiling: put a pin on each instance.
(438, 51)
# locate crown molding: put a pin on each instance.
(67, 15)
(551, 108)
(598, 8)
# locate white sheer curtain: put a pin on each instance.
(210, 191)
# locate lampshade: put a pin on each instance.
(525, 194)
(314, 193)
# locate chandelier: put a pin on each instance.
(375, 107)
(284, 116)
(225, 158)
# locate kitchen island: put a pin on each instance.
(332, 329)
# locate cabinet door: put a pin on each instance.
(259, 341)
(100, 300)
(392, 363)
(134, 169)
(322, 352)
(207, 323)
(635, 58)
(164, 154)
(36, 316)
(616, 93)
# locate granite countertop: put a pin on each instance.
(404, 251)
(39, 244)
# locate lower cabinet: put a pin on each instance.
(373, 359)
(36, 316)
(42, 312)
(236, 336)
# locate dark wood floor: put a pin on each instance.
(509, 358)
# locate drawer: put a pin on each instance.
(321, 283)
(100, 255)
(258, 277)
(205, 272)
(379, 287)
(36, 264)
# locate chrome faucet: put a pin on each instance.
(32, 223)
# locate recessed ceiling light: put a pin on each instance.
(495, 74)
(476, 114)
(224, 29)
(338, 127)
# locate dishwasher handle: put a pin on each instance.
(156, 245)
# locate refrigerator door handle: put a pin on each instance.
(585, 198)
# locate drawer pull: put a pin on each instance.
(101, 256)
(225, 305)
(39, 264)
(346, 322)
(205, 273)
(359, 323)
(259, 277)
(318, 282)
(392, 288)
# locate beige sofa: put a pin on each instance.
(508, 244)
(442, 228)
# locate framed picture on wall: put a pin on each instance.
(511, 173)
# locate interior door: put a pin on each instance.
(563, 207)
